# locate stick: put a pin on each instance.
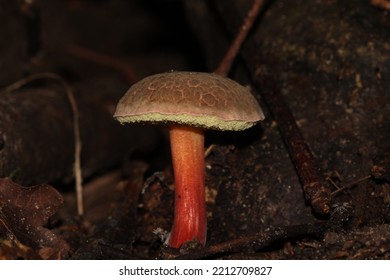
(257, 241)
(105, 60)
(226, 63)
(316, 190)
(314, 186)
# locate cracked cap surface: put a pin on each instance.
(197, 99)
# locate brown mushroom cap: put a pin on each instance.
(190, 98)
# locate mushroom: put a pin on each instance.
(189, 103)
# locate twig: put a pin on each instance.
(226, 63)
(104, 60)
(209, 150)
(257, 241)
(316, 190)
(314, 186)
(349, 185)
(76, 127)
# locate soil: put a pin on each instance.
(331, 68)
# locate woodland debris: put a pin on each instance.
(315, 188)
(114, 237)
(257, 241)
(37, 139)
(304, 56)
(24, 212)
(76, 126)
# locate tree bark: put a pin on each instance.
(36, 133)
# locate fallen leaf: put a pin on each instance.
(23, 213)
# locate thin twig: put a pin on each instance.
(76, 127)
(257, 241)
(104, 60)
(350, 185)
(209, 150)
(315, 187)
(226, 63)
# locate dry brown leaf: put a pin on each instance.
(23, 213)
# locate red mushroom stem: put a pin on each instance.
(187, 149)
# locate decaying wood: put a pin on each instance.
(316, 189)
(36, 132)
(314, 186)
(76, 126)
(257, 241)
(333, 75)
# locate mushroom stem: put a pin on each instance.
(187, 149)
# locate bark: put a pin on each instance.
(37, 135)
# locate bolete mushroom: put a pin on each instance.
(189, 103)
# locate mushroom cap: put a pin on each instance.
(197, 99)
